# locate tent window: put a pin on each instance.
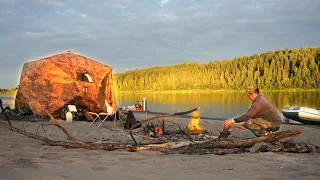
(84, 77)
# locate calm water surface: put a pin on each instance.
(216, 105)
(213, 105)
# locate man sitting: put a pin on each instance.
(261, 118)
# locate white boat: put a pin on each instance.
(304, 115)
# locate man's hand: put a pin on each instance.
(227, 124)
(230, 124)
(240, 126)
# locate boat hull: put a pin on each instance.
(302, 114)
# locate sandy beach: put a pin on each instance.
(29, 159)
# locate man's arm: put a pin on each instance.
(254, 109)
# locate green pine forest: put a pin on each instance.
(273, 70)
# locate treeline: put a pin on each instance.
(276, 70)
(9, 92)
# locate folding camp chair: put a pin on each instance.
(99, 116)
(110, 112)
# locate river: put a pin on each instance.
(216, 105)
(213, 105)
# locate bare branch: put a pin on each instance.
(130, 131)
(162, 116)
(149, 138)
(68, 135)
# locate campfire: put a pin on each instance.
(194, 127)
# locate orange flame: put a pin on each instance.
(194, 122)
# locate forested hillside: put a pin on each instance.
(281, 69)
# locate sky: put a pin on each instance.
(136, 34)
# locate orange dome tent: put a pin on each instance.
(49, 83)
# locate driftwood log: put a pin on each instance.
(270, 143)
(80, 144)
(249, 142)
(76, 143)
(286, 146)
(216, 146)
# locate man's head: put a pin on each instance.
(252, 92)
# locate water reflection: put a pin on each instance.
(217, 105)
(214, 105)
